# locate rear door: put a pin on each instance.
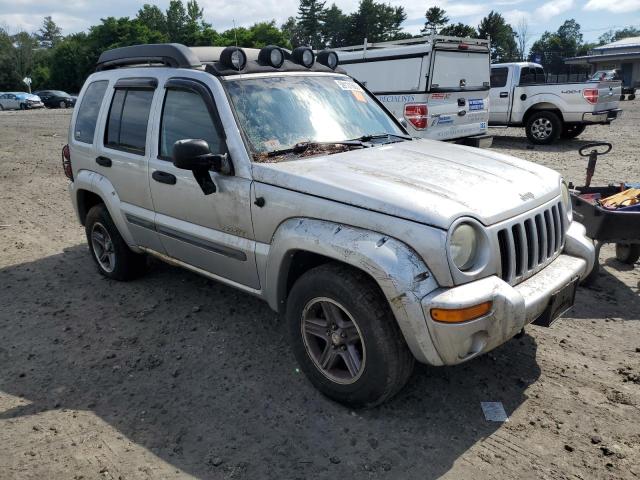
(122, 155)
(500, 95)
(458, 91)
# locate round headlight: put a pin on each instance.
(303, 56)
(328, 59)
(272, 56)
(463, 246)
(233, 57)
(566, 202)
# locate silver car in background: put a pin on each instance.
(19, 101)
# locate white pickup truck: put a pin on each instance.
(520, 96)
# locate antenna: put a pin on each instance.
(235, 32)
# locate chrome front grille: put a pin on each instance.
(529, 245)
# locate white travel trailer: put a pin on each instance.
(439, 85)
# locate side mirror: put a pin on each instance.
(196, 156)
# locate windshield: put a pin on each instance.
(277, 113)
(605, 75)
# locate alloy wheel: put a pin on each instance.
(103, 247)
(541, 128)
(333, 340)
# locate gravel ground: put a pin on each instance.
(175, 376)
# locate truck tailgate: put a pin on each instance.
(608, 96)
(457, 114)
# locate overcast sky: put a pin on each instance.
(595, 16)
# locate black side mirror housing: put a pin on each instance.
(195, 155)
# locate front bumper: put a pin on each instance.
(33, 105)
(605, 116)
(513, 306)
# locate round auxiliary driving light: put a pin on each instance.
(304, 56)
(328, 59)
(271, 55)
(233, 57)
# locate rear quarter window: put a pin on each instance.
(88, 112)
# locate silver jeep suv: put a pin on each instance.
(275, 173)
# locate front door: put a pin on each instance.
(500, 96)
(211, 232)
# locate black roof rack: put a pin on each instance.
(169, 54)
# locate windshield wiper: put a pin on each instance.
(368, 138)
(304, 146)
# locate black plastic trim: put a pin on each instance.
(382, 59)
(168, 54)
(205, 244)
(137, 82)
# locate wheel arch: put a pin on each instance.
(401, 275)
(542, 106)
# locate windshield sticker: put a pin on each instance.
(359, 96)
(272, 144)
(350, 86)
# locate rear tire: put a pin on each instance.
(543, 127)
(62, 104)
(628, 253)
(572, 131)
(632, 96)
(109, 251)
(345, 337)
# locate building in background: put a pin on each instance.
(623, 55)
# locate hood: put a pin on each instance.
(426, 181)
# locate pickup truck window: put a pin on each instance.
(128, 119)
(532, 75)
(185, 115)
(499, 77)
(279, 112)
(85, 125)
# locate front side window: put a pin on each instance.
(87, 117)
(280, 112)
(128, 120)
(185, 116)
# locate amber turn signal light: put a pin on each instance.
(457, 315)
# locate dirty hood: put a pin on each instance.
(425, 181)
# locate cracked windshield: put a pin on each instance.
(278, 114)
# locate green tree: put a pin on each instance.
(9, 78)
(436, 19)
(554, 47)
(335, 27)
(176, 21)
(49, 34)
(153, 18)
(377, 22)
(24, 45)
(459, 30)
(503, 44)
(291, 31)
(614, 36)
(310, 14)
(71, 62)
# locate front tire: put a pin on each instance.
(345, 337)
(543, 127)
(109, 251)
(62, 104)
(628, 253)
(23, 106)
(572, 131)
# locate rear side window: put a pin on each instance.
(184, 116)
(499, 77)
(128, 120)
(88, 112)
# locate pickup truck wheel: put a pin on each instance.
(108, 249)
(628, 253)
(543, 127)
(572, 131)
(345, 336)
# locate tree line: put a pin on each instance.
(54, 60)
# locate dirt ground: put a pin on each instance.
(175, 376)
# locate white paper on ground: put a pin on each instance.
(494, 411)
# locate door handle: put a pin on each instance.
(103, 161)
(504, 94)
(164, 177)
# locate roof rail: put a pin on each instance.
(413, 41)
(170, 54)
